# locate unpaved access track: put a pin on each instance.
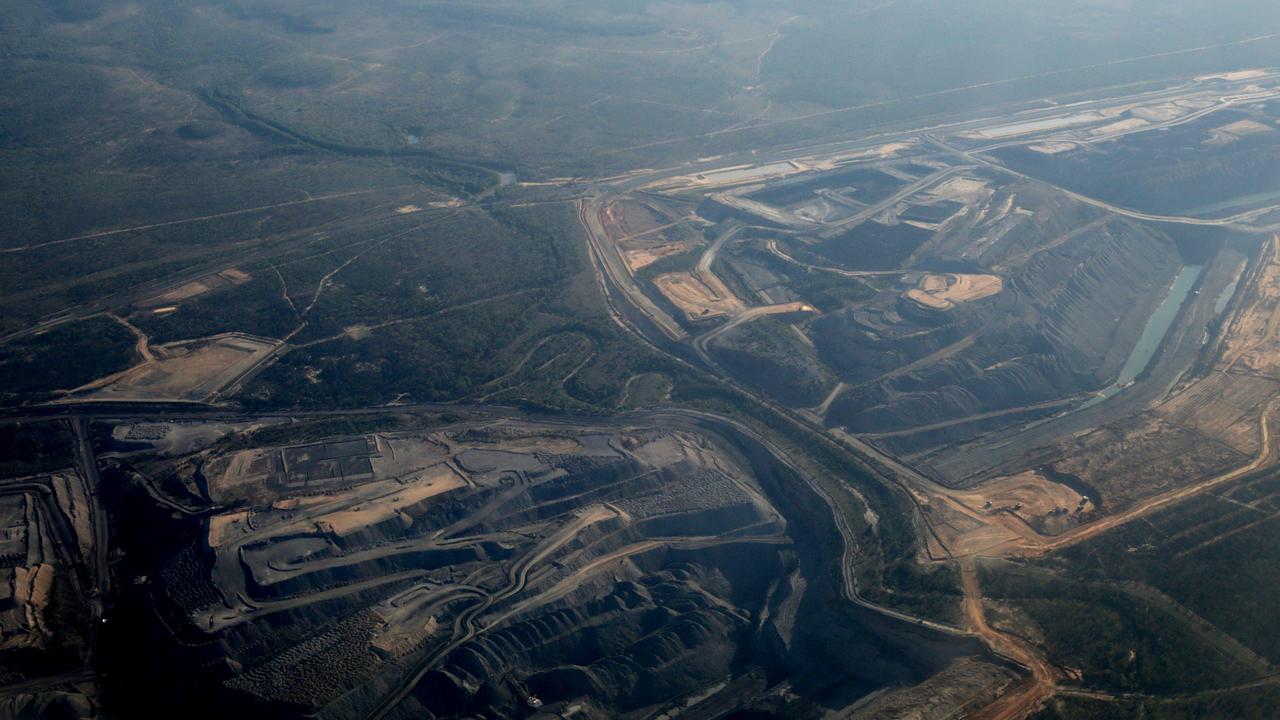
(1024, 698)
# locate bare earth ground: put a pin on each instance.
(195, 288)
(698, 298)
(642, 233)
(943, 292)
(187, 370)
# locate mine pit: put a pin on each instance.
(414, 543)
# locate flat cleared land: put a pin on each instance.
(191, 370)
(1234, 131)
(435, 481)
(1253, 335)
(699, 298)
(643, 257)
(730, 176)
(1121, 126)
(1028, 495)
(196, 288)
(737, 175)
(1003, 515)
(943, 292)
(1224, 407)
(763, 211)
(1134, 459)
(1052, 148)
(642, 233)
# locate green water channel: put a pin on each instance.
(1152, 335)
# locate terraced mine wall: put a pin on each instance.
(710, 591)
(838, 652)
(373, 567)
(1065, 324)
(663, 618)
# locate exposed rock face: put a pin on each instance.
(663, 636)
(621, 570)
(611, 574)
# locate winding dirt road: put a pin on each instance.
(1028, 696)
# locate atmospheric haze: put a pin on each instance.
(864, 359)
